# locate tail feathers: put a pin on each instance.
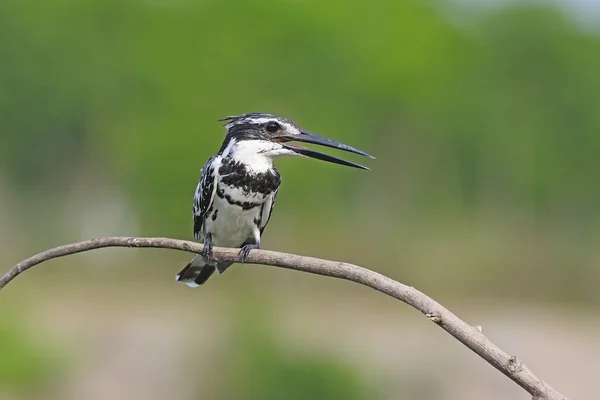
(195, 273)
(222, 266)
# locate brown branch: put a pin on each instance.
(470, 336)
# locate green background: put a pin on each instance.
(485, 123)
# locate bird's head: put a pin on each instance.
(273, 134)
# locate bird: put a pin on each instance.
(236, 193)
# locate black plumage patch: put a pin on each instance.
(235, 174)
(246, 205)
(214, 216)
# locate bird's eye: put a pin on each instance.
(272, 126)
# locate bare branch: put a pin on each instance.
(470, 336)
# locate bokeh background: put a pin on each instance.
(484, 116)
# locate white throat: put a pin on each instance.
(257, 155)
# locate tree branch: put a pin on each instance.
(470, 336)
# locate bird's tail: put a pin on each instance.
(196, 272)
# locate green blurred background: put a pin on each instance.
(485, 120)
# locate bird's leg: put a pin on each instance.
(245, 251)
(251, 246)
(207, 252)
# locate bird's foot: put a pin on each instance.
(245, 251)
(207, 251)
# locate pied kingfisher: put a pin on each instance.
(237, 189)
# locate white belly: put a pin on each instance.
(233, 225)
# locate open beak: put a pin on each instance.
(308, 137)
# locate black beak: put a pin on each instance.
(308, 137)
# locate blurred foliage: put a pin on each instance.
(494, 112)
(25, 364)
(264, 369)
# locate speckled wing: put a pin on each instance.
(205, 194)
(267, 210)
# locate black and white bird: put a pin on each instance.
(236, 193)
